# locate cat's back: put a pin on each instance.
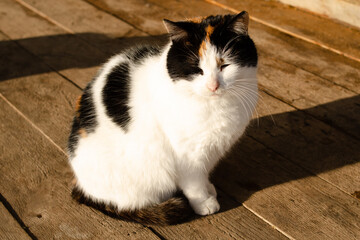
(105, 101)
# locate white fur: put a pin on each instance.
(178, 132)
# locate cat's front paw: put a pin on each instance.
(207, 207)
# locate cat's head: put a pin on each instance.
(210, 56)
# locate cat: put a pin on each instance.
(156, 120)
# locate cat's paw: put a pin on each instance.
(207, 207)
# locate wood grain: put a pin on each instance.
(9, 228)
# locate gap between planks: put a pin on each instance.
(287, 32)
(268, 222)
(32, 124)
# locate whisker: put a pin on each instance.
(261, 100)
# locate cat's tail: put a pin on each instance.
(173, 211)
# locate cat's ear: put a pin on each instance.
(240, 23)
(175, 30)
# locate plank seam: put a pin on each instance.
(300, 166)
(116, 16)
(13, 213)
(312, 73)
(287, 32)
(41, 60)
(264, 90)
(43, 15)
(31, 123)
(268, 222)
(155, 232)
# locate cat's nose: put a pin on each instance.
(213, 85)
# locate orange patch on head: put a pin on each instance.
(202, 48)
(82, 132)
(209, 30)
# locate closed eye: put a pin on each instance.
(222, 67)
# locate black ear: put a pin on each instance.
(175, 30)
(240, 23)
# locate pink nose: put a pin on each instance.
(212, 85)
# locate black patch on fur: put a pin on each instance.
(173, 211)
(241, 46)
(182, 59)
(116, 94)
(84, 118)
(182, 62)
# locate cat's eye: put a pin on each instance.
(222, 67)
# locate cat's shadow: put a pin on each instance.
(290, 146)
(287, 146)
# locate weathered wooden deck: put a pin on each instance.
(296, 175)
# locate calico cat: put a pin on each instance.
(158, 119)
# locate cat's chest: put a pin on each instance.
(201, 123)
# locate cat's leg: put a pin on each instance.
(199, 191)
(211, 189)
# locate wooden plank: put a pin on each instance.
(344, 10)
(9, 228)
(315, 27)
(311, 93)
(60, 50)
(141, 14)
(309, 143)
(96, 27)
(47, 97)
(40, 174)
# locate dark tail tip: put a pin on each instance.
(173, 211)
